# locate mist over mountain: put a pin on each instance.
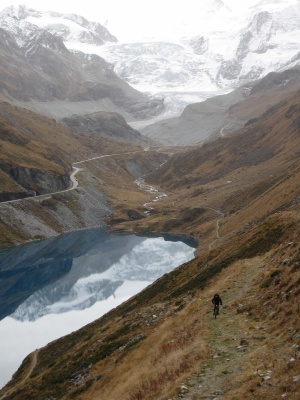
(21, 21)
(220, 115)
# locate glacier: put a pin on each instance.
(197, 53)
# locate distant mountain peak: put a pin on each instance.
(19, 12)
(69, 27)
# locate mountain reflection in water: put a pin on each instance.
(88, 272)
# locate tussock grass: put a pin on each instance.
(162, 360)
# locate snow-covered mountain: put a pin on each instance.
(216, 59)
(214, 50)
(40, 73)
(21, 21)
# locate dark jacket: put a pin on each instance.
(217, 300)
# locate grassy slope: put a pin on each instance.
(147, 347)
(32, 141)
(164, 336)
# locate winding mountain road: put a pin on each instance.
(74, 182)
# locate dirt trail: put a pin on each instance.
(227, 333)
(32, 366)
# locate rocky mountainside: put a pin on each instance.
(34, 156)
(22, 21)
(106, 124)
(239, 195)
(36, 161)
(41, 74)
(222, 114)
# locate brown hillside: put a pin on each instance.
(37, 152)
(241, 179)
(240, 197)
(266, 93)
(164, 343)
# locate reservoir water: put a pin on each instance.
(52, 287)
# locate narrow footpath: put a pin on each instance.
(230, 338)
(34, 357)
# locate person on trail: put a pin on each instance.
(217, 301)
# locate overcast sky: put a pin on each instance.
(132, 18)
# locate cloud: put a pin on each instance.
(133, 20)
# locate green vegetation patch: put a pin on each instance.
(120, 333)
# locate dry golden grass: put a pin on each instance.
(170, 353)
(180, 344)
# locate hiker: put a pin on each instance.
(216, 301)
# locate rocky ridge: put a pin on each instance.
(110, 125)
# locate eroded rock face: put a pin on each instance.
(40, 180)
(33, 181)
(8, 196)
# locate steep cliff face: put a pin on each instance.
(34, 181)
